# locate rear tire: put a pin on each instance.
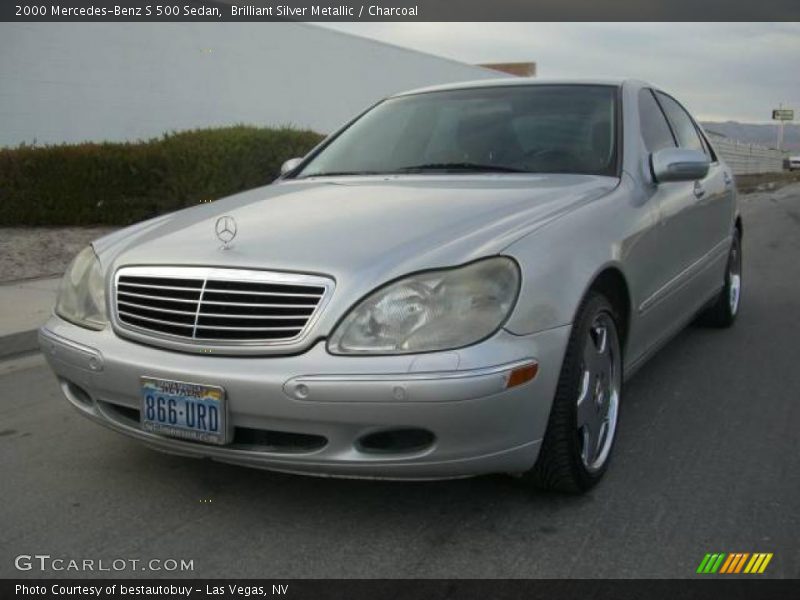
(583, 419)
(725, 308)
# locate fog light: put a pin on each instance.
(396, 440)
(76, 394)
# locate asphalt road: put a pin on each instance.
(707, 460)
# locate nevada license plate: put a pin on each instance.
(190, 411)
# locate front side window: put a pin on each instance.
(528, 129)
(682, 124)
(655, 129)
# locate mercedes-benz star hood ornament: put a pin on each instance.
(226, 230)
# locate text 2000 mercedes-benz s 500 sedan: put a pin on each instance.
(452, 284)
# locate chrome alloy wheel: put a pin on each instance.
(598, 399)
(734, 277)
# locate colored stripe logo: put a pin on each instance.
(733, 563)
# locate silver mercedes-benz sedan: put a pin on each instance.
(454, 283)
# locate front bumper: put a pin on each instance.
(478, 425)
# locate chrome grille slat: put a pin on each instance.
(206, 305)
(174, 323)
(254, 293)
(158, 287)
(190, 282)
(237, 316)
(246, 328)
(286, 312)
(166, 298)
(166, 310)
(293, 300)
(248, 304)
(181, 294)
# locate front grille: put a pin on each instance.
(218, 305)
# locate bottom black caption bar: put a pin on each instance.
(400, 589)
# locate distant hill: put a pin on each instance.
(758, 133)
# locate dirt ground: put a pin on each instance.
(27, 252)
(766, 181)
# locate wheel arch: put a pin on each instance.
(611, 282)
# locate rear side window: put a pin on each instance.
(654, 126)
(682, 124)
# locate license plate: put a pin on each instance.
(190, 411)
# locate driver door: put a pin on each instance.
(696, 218)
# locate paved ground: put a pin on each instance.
(27, 304)
(707, 460)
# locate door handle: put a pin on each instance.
(699, 190)
(727, 178)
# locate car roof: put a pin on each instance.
(518, 81)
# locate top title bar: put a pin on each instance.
(400, 10)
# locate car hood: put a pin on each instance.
(338, 226)
(359, 231)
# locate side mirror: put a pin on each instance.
(290, 165)
(678, 164)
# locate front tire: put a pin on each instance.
(583, 419)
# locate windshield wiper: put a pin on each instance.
(460, 166)
(453, 166)
(338, 173)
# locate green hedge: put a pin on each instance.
(121, 183)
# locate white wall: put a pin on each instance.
(747, 159)
(121, 81)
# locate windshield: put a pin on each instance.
(528, 129)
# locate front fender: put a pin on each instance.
(560, 261)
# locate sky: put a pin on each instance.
(720, 71)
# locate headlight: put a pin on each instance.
(437, 310)
(82, 297)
